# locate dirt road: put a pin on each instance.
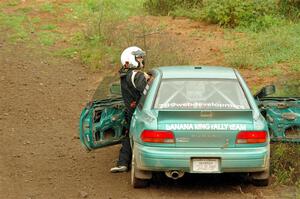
(41, 156)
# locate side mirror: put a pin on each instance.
(115, 89)
(265, 91)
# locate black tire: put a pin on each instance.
(261, 179)
(136, 182)
(260, 182)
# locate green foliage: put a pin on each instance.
(245, 14)
(290, 8)
(159, 7)
(257, 14)
(164, 7)
(192, 13)
(276, 46)
(285, 163)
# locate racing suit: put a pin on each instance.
(133, 83)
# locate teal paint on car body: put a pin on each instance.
(201, 132)
(283, 117)
(231, 160)
(208, 111)
(102, 123)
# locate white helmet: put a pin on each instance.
(129, 57)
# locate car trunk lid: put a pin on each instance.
(213, 129)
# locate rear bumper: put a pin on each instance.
(231, 159)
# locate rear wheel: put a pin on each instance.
(261, 179)
(260, 182)
(137, 182)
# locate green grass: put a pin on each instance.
(102, 40)
(25, 10)
(47, 7)
(106, 9)
(288, 85)
(35, 20)
(48, 27)
(296, 67)
(101, 43)
(13, 2)
(276, 71)
(14, 23)
(70, 52)
(285, 163)
(21, 27)
(47, 38)
(275, 46)
(298, 189)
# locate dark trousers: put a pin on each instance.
(125, 151)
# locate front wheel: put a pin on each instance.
(137, 182)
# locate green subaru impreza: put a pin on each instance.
(191, 119)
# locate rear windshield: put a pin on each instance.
(210, 94)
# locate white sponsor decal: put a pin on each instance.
(201, 105)
(225, 127)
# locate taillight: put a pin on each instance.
(251, 137)
(158, 136)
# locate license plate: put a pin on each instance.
(205, 165)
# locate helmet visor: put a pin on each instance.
(138, 54)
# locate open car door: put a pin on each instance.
(102, 121)
(281, 113)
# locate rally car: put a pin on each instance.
(193, 119)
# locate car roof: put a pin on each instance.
(197, 72)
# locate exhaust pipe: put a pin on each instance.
(174, 174)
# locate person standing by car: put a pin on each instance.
(133, 82)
